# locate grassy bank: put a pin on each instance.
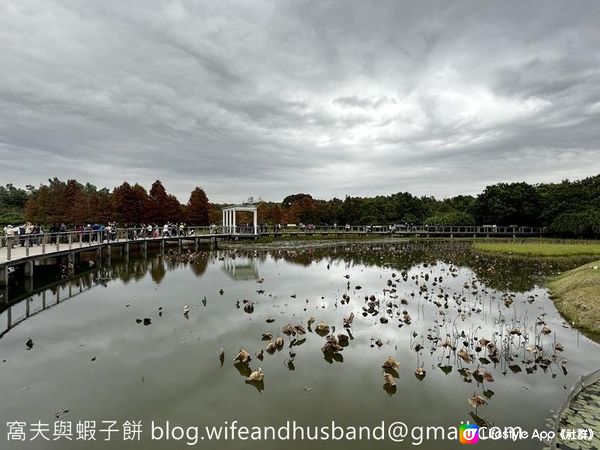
(577, 296)
(532, 247)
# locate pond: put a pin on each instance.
(479, 328)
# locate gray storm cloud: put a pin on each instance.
(271, 98)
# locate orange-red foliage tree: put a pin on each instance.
(197, 208)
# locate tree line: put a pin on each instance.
(74, 203)
(568, 208)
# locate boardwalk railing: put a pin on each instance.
(407, 229)
(70, 240)
(13, 315)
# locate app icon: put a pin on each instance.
(468, 433)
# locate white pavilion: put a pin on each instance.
(229, 224)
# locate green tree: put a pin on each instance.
(451, 218)
(508, 204)
(577, 224)
(12, 203)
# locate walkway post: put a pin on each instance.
(27, 247)
(28, 269)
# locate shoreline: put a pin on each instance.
(576, 295)
(541, 248)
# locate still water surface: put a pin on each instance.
(170, 369)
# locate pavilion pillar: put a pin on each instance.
(255, 215)
(233, 216)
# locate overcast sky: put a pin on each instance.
(332, 98)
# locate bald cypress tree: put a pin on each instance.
(158, 203)
(129, 203)
(197, 208)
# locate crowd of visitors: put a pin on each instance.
(35, 234)
(30, 234)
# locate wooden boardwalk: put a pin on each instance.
(17, 250)
(22, 253)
